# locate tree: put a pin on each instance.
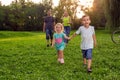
(17, 15)
(35, 15)
(2, 15)
(96, 14)
(112, 13)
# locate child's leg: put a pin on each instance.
(89, 63)
(84, 57)
(61, 56)
(84, 61)
(89, 57)
(58, 55)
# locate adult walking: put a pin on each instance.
(67, 24)
(48, 27)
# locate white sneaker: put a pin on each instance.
(62, 61)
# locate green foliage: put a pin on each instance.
(24, 56)
(97, 14)
(21, 15)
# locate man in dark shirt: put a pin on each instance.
(48, 27)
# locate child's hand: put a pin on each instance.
(52, 46)
(95, 44)
(69, 38)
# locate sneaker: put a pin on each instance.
(89, 70)
(62, 61)
(47, 45)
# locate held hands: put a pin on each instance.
(69, 38)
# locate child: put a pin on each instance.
(88, 39)
(58, 41)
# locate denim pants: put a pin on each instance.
(67, 32)
(87, 53)
(49, 34)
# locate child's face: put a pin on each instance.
(58, 28)
(86, 21)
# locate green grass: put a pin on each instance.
(24, 56)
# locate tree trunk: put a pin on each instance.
(112, 13)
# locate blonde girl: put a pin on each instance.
(58, 41)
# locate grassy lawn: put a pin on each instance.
(24, 56)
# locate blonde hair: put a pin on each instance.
(59, 24)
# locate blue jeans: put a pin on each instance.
(87, 53)
(49, 34)
(67, 32)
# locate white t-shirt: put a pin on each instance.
(87, 37)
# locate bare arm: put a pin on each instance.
(73, 35)
(94, 39)
(44, 24)
(66, 37)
